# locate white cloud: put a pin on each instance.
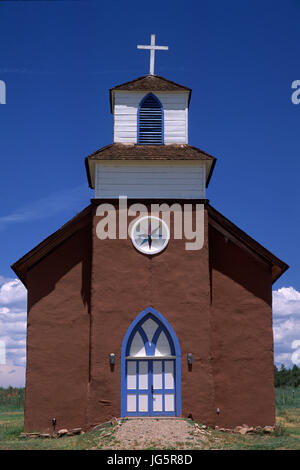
(12, 375)
(286, 326)
(286, 301)
(12, 293)
(13, 317)
(4, 310)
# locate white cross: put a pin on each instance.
(153, 48)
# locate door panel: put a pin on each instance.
(131, 403)
(169, 374)
(131, 375)
(157, 375)
(143, 375)
(169, 402)
(143, 403)
(157, 402)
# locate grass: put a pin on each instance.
(287, 397)
(12, 424)
(12, 399)
(288, 437)
(284, 439)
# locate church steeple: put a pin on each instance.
(150, 157)
(168, 107)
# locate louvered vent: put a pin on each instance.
(150, 122)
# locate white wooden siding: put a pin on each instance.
(174, 180)
(175, 116)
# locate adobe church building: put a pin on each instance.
(140, 325)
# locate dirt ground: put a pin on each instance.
(146, 433)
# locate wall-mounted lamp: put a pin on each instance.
(53, 424)
(218, 411)
(190, 359)
(112, 361)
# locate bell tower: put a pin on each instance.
(150, 110)
(150, 157)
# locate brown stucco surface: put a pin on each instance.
(125, 282)
(84, 294)
(241, 335)
(58, 335)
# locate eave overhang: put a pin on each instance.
(148, 153)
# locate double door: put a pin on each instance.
(150, 387)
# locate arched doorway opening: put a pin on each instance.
(150, 368)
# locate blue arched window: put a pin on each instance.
(150, 121)
(150, 368)
(150, 337)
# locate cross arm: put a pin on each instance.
(162, 48)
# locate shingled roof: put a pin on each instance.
(119, 151)
(175, 152)
(149, 83)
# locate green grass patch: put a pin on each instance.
(287, 437)
(12, 424)
(12, 399)
(287, 397)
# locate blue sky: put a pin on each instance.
(59, 59)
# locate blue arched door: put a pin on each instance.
(150, 368)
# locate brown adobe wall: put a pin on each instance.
(58, 336)
(125, 282)
(242, 336)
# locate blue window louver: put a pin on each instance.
(150, 121)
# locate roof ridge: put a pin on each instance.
(150, 77)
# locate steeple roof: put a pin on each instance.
(149, 83)
(147, 153)
(150, 152)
